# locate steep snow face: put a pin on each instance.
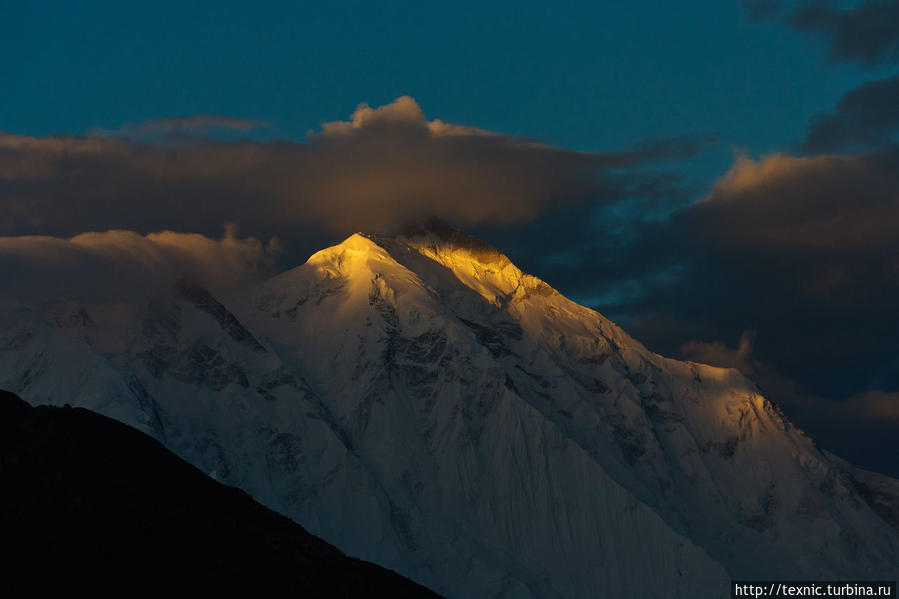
(423, 404)
(487, 495)
(698, 444)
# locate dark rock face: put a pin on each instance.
(489, 338)
(198, 364)
(90, 504)
(881, 502)
(203, 300)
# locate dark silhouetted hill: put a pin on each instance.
(90, 504)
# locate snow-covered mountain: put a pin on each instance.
(421, 403)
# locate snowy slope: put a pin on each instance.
(421, 403)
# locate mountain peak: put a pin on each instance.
(354, 257)
(357, 242)
(429, 252)
(476, 264)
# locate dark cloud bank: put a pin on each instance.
(787, 268)
(801, 251)
(380, 169)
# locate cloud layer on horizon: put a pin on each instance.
(382, 168)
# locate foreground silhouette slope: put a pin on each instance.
(91, 504)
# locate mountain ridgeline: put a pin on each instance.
(421, 403)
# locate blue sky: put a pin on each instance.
(582, 75)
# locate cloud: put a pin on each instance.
(802, 250)
(379, 169)
(860, 428)
(116, 264)
(402, 112)
(867, 33)
(827, 202)
(876, 405)
(865, 118)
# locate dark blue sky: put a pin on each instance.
(582, 75)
